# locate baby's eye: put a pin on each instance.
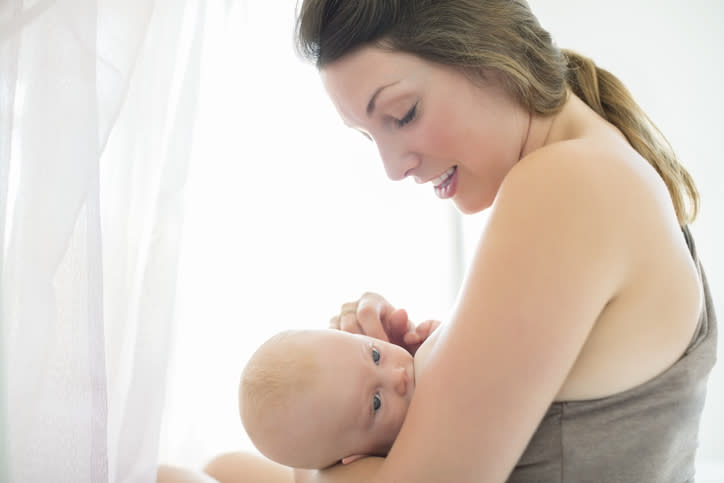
(375, 355)
(376, 402)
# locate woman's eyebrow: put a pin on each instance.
(371, 104)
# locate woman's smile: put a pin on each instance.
(446, 183)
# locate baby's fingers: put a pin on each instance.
(424, 329)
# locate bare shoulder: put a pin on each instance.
(599, 167)
(597, 188)
(613, 214)
(580, 174)
(567, 203)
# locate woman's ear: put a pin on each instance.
(350, 459)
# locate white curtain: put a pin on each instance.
(97, 107)
(116, 113)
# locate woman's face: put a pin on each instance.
(431, 122)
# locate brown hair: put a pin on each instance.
(501, 35)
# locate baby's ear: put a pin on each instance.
(351, 459)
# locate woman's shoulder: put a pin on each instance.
(610, 209)
(598, 161)
(600, 175)
(572, 183)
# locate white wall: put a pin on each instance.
(289, 213)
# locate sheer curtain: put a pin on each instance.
(97, 106)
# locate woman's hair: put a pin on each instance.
(501, 35)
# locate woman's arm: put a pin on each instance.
(553, 254)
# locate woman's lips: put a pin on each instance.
(443, 177)
(446, 184)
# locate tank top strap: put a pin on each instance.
(707, 319)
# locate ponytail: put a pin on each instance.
(607, 95)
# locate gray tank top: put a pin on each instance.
(647, 434)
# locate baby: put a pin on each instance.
(313, 398)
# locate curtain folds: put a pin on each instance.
(97, 102)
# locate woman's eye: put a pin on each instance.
(408, 117)
(375, 356)
(376, 402)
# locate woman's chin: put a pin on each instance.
(469, 208)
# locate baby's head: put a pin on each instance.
(312, 398)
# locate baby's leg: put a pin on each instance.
(171, 474)
(246, 467)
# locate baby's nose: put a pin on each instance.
(400, 381)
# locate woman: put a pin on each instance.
(583, 335)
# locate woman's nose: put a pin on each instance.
(398, 165)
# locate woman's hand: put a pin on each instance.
(374, 316)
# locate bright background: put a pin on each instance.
(289, 214)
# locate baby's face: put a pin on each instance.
(361, 396)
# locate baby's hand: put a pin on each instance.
(374, 316)
(414, 338)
